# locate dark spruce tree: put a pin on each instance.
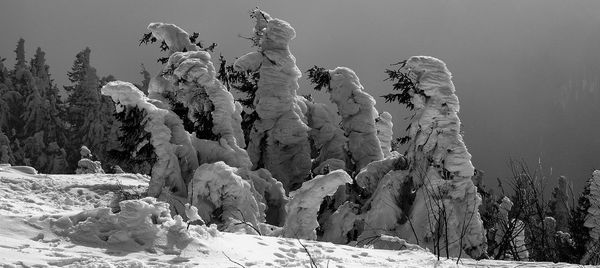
(136, 153)
(580, 233)
(245, 83)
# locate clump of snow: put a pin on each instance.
(176, 38)
(279, 138)
(370, 176)
(87, 166)
(304, 204)
(223, 197)
(134, 224)
(357, 109)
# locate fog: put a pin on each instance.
(527, 72)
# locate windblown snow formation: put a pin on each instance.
(168, 137)
(385, 133)
(357, 109)
(279, 138)
(304, 204)
(440, 162)
(194, 74)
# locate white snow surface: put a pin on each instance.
(33, 206)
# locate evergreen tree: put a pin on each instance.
(89, 119)
(146, 82)
(130, 156)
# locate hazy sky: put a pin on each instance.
(527, 72)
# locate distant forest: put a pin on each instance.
(38, 128)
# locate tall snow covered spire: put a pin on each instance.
(414, 196)
(279, 138)
(439, 161)
(189, 75)
(357, 109)
(435, 138)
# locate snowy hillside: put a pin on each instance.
(43, 219)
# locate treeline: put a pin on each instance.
(523, 224)
(39, 128)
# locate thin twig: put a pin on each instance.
(309, 256)
(233, 260)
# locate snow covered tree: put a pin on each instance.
(279, 138)
(136, 153)
(90, 118)
(592, 221)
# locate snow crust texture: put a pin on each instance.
(279, 138)
(357, 109)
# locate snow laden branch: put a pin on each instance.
(304, 204)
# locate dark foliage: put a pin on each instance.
(401, 82)
(579, 232)
(319, 76)
(246, 83)
(129, 156)
(148, 38)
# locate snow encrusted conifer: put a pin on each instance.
(592, 221)
(304, 204)
(217, 187)
(328, 138)
(189, 75)
(279, 138)
(168, 137)
(438, 168)
(357, 109)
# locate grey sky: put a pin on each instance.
(512, 61)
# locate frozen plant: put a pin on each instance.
(304, 204)
(279, 137)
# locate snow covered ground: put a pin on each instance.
(51, 220)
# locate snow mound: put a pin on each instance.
(223, 197)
